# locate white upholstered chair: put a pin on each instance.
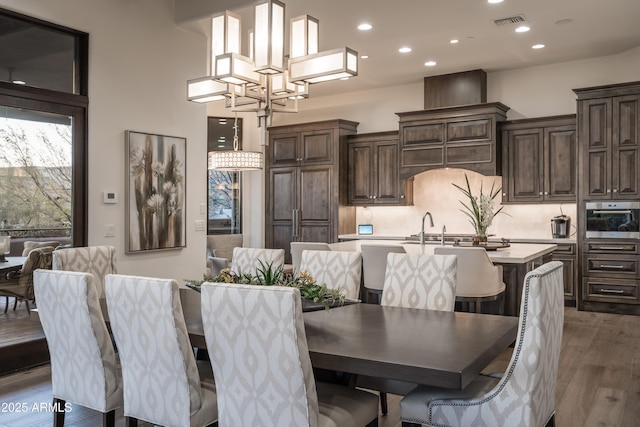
(247, 260)
(420, 281)
(336, 269)
(160, 377)
(84, 369)
(220, 251)
(374, 266)
(258, 349)
(98, 260)
(478, 280)
(298, 247)
(525, 395)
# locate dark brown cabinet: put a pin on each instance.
(539, 160)
(373, 171)
(566, 252)
(306, 184)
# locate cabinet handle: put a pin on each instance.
(504, 194)
(612, 291)
(611, 266)
(608, 190)
(540, 194)
(375, 197)
(402, 196)
(612, 248)
(546, 193)
(615, 190)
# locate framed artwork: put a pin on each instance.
(156, 192)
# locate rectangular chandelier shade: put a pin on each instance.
(206, 89)
(268, 42)
(281, 87)
(324, 66)
(303, 37)
(225, 34)
(236, 69)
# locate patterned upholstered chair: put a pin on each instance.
(19, 284)
(478, 280)
(247, 260)
(337, 269)
(258, 349)
(298, 247)
(420, 281)
(98, 260)
(30, 245)
(525, 395)
(220, 251)
(159, 372)
(374, 267)
(414, 281)
(84, 369)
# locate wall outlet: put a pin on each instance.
(109, 230)
(199, 225)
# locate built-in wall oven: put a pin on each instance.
(617, 220)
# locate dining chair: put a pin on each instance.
(258, 348)
(298, 247)
(374, 267)
(247, 260)
(160, 377)
(98, 260)
(478, 280)
(336, 269)
(220, 251)
(19, 284)
(525, 394)
(29, 245)
(84, 369)
(421, 281)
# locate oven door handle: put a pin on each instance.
(628, 212)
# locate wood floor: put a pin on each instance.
(598, 381)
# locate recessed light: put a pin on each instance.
(404, 49)
(430, 63)
(537, 46)
(364, 56)
(522, 29)
(454, 41)
(494, 1)
(364, 27)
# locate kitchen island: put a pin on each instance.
(516, 261)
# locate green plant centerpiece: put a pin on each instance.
(479, 209)
(269, 275)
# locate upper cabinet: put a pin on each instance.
(609, 122)
(459, 137)
(539, 158)
(373, 165)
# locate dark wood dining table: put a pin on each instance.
(12, 263)
(443, 349)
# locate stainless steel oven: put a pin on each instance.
(617, 220)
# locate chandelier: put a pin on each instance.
(266, 81)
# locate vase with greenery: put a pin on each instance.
(479, 209)
(268, 275)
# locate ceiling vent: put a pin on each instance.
(512, 20)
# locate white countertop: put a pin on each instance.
(568, 241)
(517, 253)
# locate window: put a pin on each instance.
(224, 188)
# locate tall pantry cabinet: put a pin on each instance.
(306, 184)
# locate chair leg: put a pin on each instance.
(6, 300)
(15, 303)
(383, 403)
(130, 422)
(58, 412)
(109, 418)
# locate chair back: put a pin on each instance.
(476, 275)
(247, 260)
(159, 372)
(40, 258)
(374, 264)
(420, 281)
(526, 393)
(29, 245)
(259, 354)
(83, 360)
(336, 269)
(222, 245)
(298, 247)
(98, 260)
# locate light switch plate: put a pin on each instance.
(110, 197)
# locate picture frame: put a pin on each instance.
(155, 192)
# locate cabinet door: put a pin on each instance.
(386, 175)
(595, 139)
(316, 200)
(316, 147)
(282, 202)
(284, 150)
(624, 168)
(525, 165)
(361, 173)
(560, 161)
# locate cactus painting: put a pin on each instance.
(156, 170)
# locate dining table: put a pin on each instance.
(11, 263)
(436, 348)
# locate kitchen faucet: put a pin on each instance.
(422, 229)
(444, 228)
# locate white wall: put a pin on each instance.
(139, 62)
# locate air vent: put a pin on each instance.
(512, 20)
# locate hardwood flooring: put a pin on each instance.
(598, 381)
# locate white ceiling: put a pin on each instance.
(597, 28)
